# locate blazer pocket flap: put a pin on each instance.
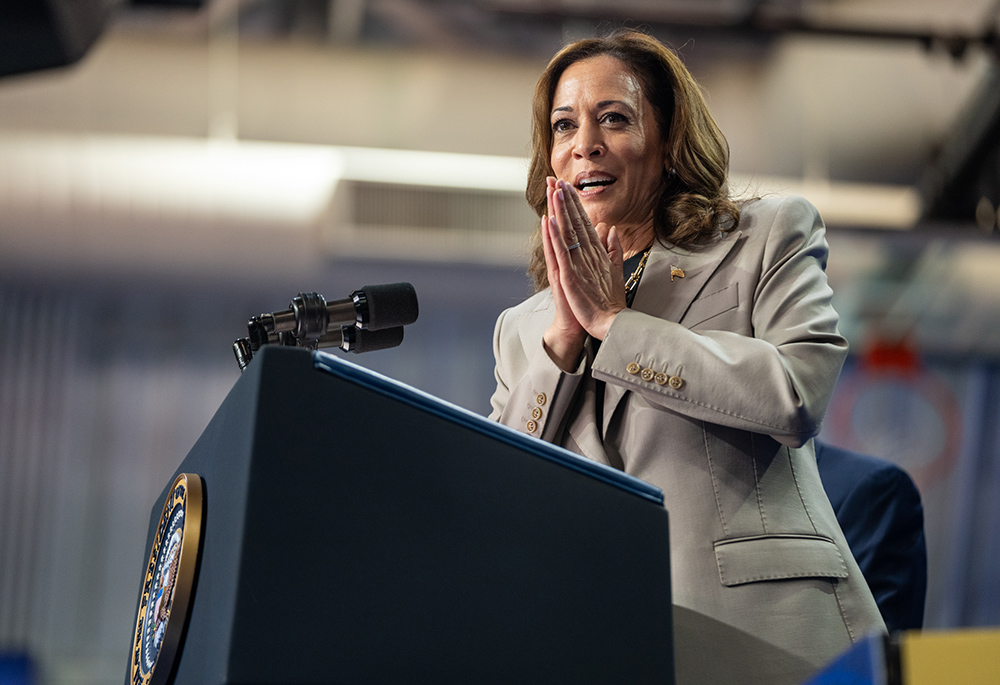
(711, 305)
(778, 557)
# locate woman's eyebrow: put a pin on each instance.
(600, 105)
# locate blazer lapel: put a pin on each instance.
(582, 434)
(673, 279)
(667, 294)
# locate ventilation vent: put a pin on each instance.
(434, 223)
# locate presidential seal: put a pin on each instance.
(167, 586)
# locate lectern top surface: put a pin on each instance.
(438, 407)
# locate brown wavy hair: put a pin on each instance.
(694, 200)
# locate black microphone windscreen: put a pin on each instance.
(358, 340)
(390, 305)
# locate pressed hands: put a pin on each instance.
(588, 287)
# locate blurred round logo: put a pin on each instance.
(167, 586)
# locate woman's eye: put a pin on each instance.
(615, 118)
(561, 125)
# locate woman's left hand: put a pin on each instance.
(590, 274)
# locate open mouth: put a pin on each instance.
(594, 182)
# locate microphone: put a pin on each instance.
(385, 306)
(372, 318)
(373, 307)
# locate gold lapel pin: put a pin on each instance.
(676, 271)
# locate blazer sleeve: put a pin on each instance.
(777, 381)
(532, 395)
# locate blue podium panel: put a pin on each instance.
(356, 530)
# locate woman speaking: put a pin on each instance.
(690, 341)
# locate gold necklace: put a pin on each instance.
(633, 280)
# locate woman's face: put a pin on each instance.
(605, 141)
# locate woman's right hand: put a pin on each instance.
(564, 339)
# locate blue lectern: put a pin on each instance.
(355, 530)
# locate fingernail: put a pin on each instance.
(559, 193)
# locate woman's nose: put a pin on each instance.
(589, 142)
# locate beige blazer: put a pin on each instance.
(714, 383)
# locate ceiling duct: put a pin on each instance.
(181, 204)
(398, 221)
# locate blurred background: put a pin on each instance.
(168, 169)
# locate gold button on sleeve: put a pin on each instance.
(531, 426)
(647, 374)
(633, 368)
(676, 382)
(536, 413)
(541, 399)
(661, 379)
